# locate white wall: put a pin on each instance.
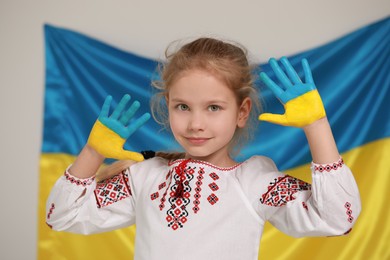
(267, 28)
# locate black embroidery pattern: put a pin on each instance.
(198, 189)
(347, 205)
(77, 181)
(52, 207)
(112, 190)
(282, 189)
(329, 167)
(177, 214)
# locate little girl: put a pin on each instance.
(202, 204)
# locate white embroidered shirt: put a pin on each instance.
(188, 209)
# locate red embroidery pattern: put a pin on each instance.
(214, 176)
(180, 188)
(347, 205)
(162, 185)
(213, 186)
(154, 196)
(181, 171)
(207, 164)
(177, 214)
(52, 207)
(212, 199)
(282, 189)
(328, 167)
(112, 190)
(162, 200)
(198, 189)
(305, 205)
(77, 181)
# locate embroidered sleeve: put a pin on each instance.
(83, 206)
(112, 190)
(327, 207)
(282, 189)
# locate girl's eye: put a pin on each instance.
(214, 108)
(182, 107)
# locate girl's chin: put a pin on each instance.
(199, 157)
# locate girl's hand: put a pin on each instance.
(109, 133)
(302, 103)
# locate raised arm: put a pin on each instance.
(77, 203)
(303, 108)
(331, 204)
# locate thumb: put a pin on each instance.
(274, 118)
(129, 155)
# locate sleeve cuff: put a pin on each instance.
(329, 167)
(79, 182)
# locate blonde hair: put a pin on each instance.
(113, 169)
(226, 60)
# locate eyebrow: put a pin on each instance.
(213, 101)
(177, 100)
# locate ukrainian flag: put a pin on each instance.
(352, 75)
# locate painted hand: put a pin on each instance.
(109, 133)
(302, 103)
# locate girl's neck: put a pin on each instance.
(225, 161)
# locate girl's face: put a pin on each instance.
(203, 116)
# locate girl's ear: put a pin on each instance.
(244, 111)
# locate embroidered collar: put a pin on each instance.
(225, 169)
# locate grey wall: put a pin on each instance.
(266, 28)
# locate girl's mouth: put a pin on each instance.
(197, 140)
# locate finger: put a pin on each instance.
(106, 107)
(129, 155)
(290, 71)
(125, 118)
(271, 85)
(307, 71)
(118, 110)
(138, 123)
(274, 118)
(280, 74)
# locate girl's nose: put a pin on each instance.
(196, 122)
